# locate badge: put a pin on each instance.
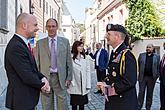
(114, 74)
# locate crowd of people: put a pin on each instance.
(53, 70)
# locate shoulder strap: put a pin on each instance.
(122, 62)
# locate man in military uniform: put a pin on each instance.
(122, 72)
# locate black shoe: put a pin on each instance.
(97, 92)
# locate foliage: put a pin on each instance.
(80, 26)
(160, 9)
(142, 20)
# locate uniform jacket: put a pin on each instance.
(103, 59)
(24, 79)
(155, 66)
(162, 72)
(81, 82)
(124, 83)
(64, 61)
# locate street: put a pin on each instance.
(96, 101)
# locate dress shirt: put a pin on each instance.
(97, 57)
(53, 70)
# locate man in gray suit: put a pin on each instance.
(148, 74)
(53, 58)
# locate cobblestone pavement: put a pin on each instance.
(96, 101)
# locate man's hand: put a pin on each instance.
(67, 83)
(111, 91)
(46, 87)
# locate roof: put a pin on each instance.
(149, 38)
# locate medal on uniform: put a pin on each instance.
(114, 74)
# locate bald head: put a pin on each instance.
(26, 25)
(22, 18)
(150, 48)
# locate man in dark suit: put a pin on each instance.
(101, 63)
(122, 72)
(162, 81)
(148, 74)
(24, 79)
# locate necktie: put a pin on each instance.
(53, 55)
(30, 49)
(162, 64)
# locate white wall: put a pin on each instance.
(66, 20)
(6, 37)
(140, 46)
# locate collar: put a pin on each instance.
(23, 38)
(55, 37)
(114, 50)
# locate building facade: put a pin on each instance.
(102, 13)
(68, 26)
(9, 10)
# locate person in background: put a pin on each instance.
(24, 80)
(122, 72)
(81, 82)
(53, 58)
(162, 81)
(148, 73)
(101, 63)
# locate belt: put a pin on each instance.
(53, 72)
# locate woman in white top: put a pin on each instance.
(81, 82)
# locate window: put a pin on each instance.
(157, 49)
(64, 30)
(46, 9)
(3, 14)
(121, 16)
(40, 3)
(21, 10)
(55, 14)
(50, 11)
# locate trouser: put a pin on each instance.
(101, 74)
(149, 83)
(74, 107)
(162, 96)
(48, 101)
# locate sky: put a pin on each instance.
(77, 9)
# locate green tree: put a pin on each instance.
(80, 26)
(142, 20)
(160, 9)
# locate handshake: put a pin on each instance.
(46, 87)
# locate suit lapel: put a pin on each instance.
(59, 46)
(46, 46)
(26, 48)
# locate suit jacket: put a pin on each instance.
(64, 61)
(162, 71)
(24, 79)
(124, 83)
(103, 59)
(155, 66)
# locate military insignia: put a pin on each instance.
(114, 74)
(117, 59)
